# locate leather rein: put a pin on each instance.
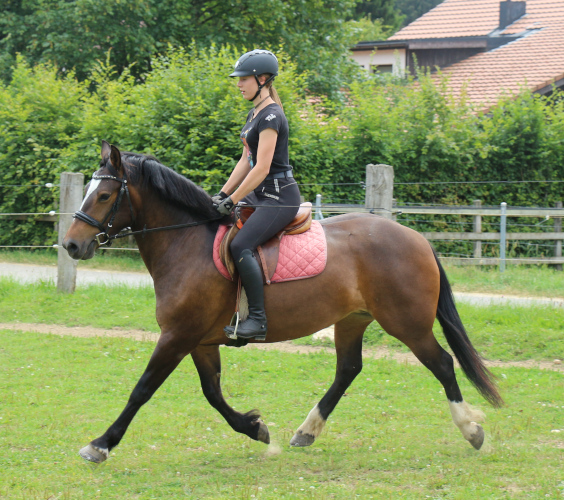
(104, 238)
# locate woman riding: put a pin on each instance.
(262, 178)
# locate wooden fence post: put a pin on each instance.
(380, 189)
(72, 186)
(478, 229)
(558, 229)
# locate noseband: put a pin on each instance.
(84, 217)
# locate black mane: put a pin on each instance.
(168, 184)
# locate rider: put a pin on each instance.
(262, 178)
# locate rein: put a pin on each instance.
(108, 239)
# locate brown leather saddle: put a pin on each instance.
(267, 252)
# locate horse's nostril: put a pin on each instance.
(71, 248)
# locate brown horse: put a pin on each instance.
(376, 270)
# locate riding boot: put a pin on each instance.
(251, 279)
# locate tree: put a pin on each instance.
(413, 9)
(74, 34)
(385, 10)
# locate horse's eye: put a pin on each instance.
(104, 197)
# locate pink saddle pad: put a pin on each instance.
(301, 255)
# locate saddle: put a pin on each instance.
(268, 252)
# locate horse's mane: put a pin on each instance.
(169, 185)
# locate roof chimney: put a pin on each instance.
(510, 11)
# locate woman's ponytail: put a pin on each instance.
(274, 96)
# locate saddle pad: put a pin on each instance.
(301, 255)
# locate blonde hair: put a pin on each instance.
(272, 91)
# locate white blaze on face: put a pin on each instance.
(94, 183)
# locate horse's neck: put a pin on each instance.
(160, 250)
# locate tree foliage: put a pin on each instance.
(75, 34)
(191, 119)
(385, 10)
(413, 9)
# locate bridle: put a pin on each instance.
(84, 217)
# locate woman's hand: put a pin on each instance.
(219, 197)
(226, 206)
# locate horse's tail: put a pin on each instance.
(470, 361)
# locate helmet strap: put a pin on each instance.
(260, 86)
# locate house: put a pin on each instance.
(491, 47)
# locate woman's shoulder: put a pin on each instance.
(272, 111)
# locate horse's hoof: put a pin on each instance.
(301, 439)
(93, 454)
(263, 434)
(477, 439)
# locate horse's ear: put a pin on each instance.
(106, 149)
(115, 158)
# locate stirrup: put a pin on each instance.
(232, 331)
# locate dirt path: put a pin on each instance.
(372, 352)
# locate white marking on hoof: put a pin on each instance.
(94, 454)
(466, 420)
(310, 429)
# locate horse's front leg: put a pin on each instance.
(167, 355)
(208, 363)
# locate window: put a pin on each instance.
(382, 68)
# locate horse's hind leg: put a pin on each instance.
(440, 362)
(208, 363)
(348, 343)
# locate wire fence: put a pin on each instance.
(430, 222)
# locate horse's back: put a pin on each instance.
(377, 233)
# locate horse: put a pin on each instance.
(377, 270)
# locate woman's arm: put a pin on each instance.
(265, 153)
(240, 171)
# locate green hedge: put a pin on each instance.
(189, 115)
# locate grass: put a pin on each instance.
(99, 306)
(516, 280)
(388, 438)
(498, 332)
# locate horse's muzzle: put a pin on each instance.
(79, 251)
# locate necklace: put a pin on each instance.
(262, 101)
(255, 113)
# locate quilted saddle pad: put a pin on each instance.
(301, 255)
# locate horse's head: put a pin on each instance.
(105, 210)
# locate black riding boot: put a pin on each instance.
(251, 279)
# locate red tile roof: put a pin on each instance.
(535, 60)
(453, 18)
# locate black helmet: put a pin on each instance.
(257, 62)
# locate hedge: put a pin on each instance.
(189, 114)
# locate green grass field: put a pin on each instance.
(499, 332)
(390, 437)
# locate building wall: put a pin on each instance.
(371, 59)
(430, 58)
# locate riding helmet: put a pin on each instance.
(257, 62)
